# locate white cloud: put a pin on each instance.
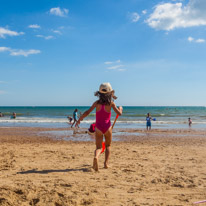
(115, 67)
(34, 26)
(191, 39)
(3, 49)
(121, 70)
(49, 37)
(168, 16)
(59, 12)
(144, 11)
(109, 62)
(19, 52)
(200, 40)
(45, 37)
(6, 32)
(40, 36)
(25, 53)
(57, 31)
(134, 17)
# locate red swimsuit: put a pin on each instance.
(103, 122)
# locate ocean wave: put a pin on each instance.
(11, 113)
(144, 115)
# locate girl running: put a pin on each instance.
(103, 123)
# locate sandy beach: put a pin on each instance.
(163, 167)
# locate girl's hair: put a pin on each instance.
(105, 98)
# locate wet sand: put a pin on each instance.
(162, 167)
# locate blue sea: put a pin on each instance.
(132, 117)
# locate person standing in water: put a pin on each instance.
(13, 115)
(103, 108)
(189, 122)
(148, 121)
(75, 116)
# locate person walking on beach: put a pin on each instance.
(1, 114)
(103, 121)
(75, 117)
(148, 121)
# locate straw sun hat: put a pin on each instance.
(105, 88)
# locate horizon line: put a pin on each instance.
(117, 105)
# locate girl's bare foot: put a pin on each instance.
(95, 164)
(106, 166)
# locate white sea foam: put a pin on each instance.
(90, 121)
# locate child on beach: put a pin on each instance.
(103, 123)
(75, 117)
(13, 115)
(70, 119)
(189, 122)
(148, 120)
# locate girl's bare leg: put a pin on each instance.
(97, 152)
(108, 140)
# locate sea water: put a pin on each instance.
(132, 117)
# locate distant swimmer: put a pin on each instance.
(189, 122)
(75, 117)
(1, 114)
(13, 115)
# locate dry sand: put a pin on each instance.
(163, 167)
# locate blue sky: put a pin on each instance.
(58, 52)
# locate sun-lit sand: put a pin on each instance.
(162, 167)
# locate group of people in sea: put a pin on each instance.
(148, 121)
(13, 116)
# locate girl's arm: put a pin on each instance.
(86, 113)
(117, 110)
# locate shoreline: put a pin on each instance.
(86, 124)
(160, 169)
(81, 134)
